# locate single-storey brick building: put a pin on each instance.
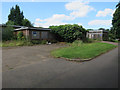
(98, 34)
(34, 33)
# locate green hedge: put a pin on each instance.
(68, 33)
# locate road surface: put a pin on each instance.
(101, 72)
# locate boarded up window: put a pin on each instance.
(44, 35)
(35, 35)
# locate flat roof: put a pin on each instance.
(32, 28)
(93, 31)
(15, 26)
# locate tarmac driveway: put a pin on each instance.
(33, 67)
(13, 57)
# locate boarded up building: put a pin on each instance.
(98, 34)
(35, 33)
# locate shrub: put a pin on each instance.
(28, 43)
(112, 37)
(11, 44)
(43, 42)
(20, 35)
(87, 40)
(36, 41)
(20, 43)
(77, 43)
(7, 34)
(53, 41)
(68, 33)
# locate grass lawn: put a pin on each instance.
(83, 50)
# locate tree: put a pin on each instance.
(16, 15)
(9, 22)
(116, 21)
(101, 29)
(26, 22)
(89, 29)
(112, 34)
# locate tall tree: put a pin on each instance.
(116, 21)
(11, 16)
(26, 22)
(16, 15)
(9, 22)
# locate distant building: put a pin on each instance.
(98, 34)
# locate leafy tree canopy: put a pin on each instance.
(26, 22)
(10, 22)
(17, 17)
(89, 29)
(101, 29)
(68, 33)
(116, 21)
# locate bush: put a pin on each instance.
(112, 37)
(43, 42)
(20, 43)
(87, 40)
(7, 34)
(28, 43)
(77, 43)
(36, 41)
(53, 41)
(20, 36)
(68, 33)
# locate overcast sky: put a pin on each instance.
(88, 14)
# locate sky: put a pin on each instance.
(91, 15)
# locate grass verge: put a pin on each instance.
(14, 43)
(82, 50)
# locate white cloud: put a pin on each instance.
(47, 24)
(105, 12)
(100, 22)
(56, 19)
(59, 17)
(37, 19)
(79, 9)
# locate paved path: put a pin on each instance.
(101, 72)
(110, 42)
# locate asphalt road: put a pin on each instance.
(101, 72)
